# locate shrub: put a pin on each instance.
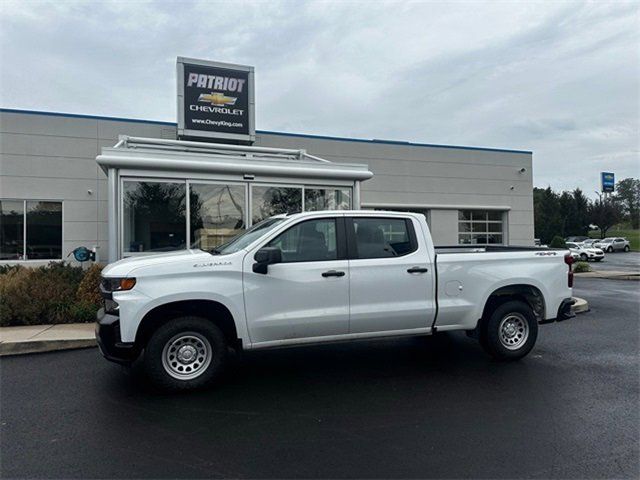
(581, 267)
(56, 293)
(88, 291)
(82, 312)
(558, 242)
(7, 268)
(39, 295)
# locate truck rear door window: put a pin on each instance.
(382, 237)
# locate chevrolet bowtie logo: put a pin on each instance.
(218, 99)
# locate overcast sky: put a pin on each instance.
(559, 78)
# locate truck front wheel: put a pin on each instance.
(510, 331)
(185, 353)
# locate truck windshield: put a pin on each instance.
(246, 238)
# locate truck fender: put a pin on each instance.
(511, 282)
(237, 312)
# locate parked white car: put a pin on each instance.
(585, 253)
(319, 277)
(613, 244)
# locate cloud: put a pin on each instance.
(561, 79)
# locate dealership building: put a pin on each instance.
(126, 187)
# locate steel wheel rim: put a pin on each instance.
(187, 355)
(513, 331)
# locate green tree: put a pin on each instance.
(605, 213)
(569, 223)
(547, 218)
(582, 212)
(628, 194)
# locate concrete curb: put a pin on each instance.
(581, 305)
(46, 338)
(610, 275)
(40, 346)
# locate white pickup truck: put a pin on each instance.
(323, 277)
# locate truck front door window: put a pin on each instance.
(310, 241)
(247, 238)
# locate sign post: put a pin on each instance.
(215, 101)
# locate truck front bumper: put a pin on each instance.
(108, 338)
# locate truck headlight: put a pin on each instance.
(118, 284)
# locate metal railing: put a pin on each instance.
(125, 141)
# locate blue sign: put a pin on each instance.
(608, 181)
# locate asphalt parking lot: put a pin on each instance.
(401, 408)
(619, 262)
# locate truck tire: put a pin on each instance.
(510, 331)
(185, 353)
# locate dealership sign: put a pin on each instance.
(608, 181)
(215, 101)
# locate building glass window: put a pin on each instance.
(154, 216)
(11, 230)
(42, 222)
(316, 199)
(44, 230)
(268, 201)
(310, 241)
(217, 214)
(480, 227)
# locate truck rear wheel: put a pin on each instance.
(510, 331)
(185, 353)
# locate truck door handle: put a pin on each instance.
(418, 270)
(333, 273)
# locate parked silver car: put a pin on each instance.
(584, 253)
(613, 244)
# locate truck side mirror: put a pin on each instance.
(264, 257)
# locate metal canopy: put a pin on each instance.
(184, 156)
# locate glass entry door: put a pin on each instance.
(217, 213)
(269, 200)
